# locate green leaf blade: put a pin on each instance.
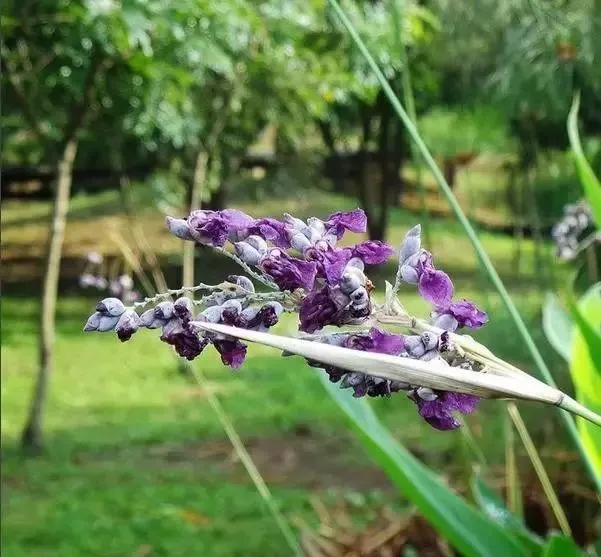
(558, 326)
(468, 530)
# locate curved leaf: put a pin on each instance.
(585, 366)
(494, 507)
(590, 183)
(562, 546)
(468, 530)
(558, 326)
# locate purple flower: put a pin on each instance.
(377, 341)
(232, 351)
(214, 228)
(289, 273)
(373, 252)
(437, 411)
(323, 307)
(127, 325)
(186, 342)
(460, 314)
(338, 223)
(270, 229)
(330, 261)
(434, 286)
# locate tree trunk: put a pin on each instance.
(32, 434)
(198, 180)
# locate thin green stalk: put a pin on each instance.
(469, 230)
(514, 490)
(248, 463)
(410, 103)
(540, 469)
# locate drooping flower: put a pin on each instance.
(323, 307)
(271, 230)
(330, 261)
(437, 407)
(460, 314)
(232, 351)
(187, 343)
(289, 273)
(354, 221)
(433, 285)
(214, 228)
(373, 252)
(127, 325)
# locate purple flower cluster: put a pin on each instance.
(436, 287)
(175, 321)
(121, 287)
(337, 290)
(326, 283)
(436, 407)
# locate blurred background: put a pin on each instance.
(118, 113)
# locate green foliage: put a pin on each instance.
(562, 546)
(466, 529)
(558, 326)
(585, 366)
(590, 183)
(494, 507)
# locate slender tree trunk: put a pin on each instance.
(198, 180)
(32, 434)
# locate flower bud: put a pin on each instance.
(355, 262)
(430, 340)
(127, 325)
(317, 226)
(164, 310)
(359, 298)
(409, 274)
(258, 243)
(298, 240)
(149, 320)
(182, 308)
(414, 346)
(107, 323)
(112, 307)
(426, 394)
(446, 322)
(411, 244)
(93, 322)
(294, 223)
(247, 253)
(352, 379)
(429, 355)
(242, 282)
(179, 228)
(211, 314)
(350, 281)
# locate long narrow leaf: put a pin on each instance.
(590, 183)
(585, 366)
(558, 326)
(493, 506)
(562, 546)
(469, 531)
(465, 223)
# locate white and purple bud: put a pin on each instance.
(247, 253)
(242, 282)
(107, 323)
(352, 279)
(127, 325)
(411, 244)
(210, 315)
(112, 307)
(149, 320)
(317, 226)
(298, 240)
(359, 298)
(355, 262)
(179, 228)
(293, 222)
(447, 322)
(409, 274)
(93, 322)
(182, 308)
(425, 393)
(414, 346)
(164, 311)
(429, 340)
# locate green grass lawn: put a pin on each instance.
(137, 463)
